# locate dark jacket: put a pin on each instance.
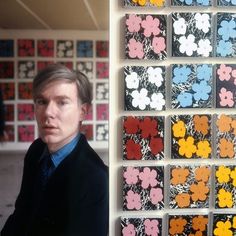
(75, 202)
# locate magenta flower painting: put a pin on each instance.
(145, 37)
(141, 226)
(143, 188)
(225, 85)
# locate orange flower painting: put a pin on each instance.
(189, 225)
(191, 136)
(189, 186)
(225, 136)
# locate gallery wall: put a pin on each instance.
(172, 117)
(24, 53)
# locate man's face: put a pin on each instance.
(58, 113)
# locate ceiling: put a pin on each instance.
(54, 14)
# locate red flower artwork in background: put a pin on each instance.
(131, 125)
(148, 127)
(133, 150)
(156, 145)
(143, 137)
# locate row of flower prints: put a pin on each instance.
(189, 186)
(162, 3)
(51, 48)
(190, 86)
(184, 225)
(192, 35)
(202, 136)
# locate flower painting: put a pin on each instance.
(144, 3)
(26, 47)
(191, 35)
(84, 48)
(26, 69)
(65, 48)
(26, 133)
(191, 136)
(144, 88)
(224, 224)
(225, 186)
(225, 3)
(204, 3)
(141, 226)
(188, 225)
(189, 187)
(226, 136)
(191, 86)
(8, 91)
(143, 138)
(6, 69)
(45, 47)
(226, 35)
(226, 85)
(6, 48)
(143, 188)
(145, 37)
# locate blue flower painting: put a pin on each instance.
(226, 35)
(204, 3)
(6, 48)
(84, 48)
(191, 86)
(226, 3)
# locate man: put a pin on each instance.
(64, 190)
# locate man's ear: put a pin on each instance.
(85, 109)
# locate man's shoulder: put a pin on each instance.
(88, 156)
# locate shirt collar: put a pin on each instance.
(62, 153)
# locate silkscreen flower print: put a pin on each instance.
(188, 225)
(8, 91)
(141, 226)
(226, 35)
(86, 67)
(191, 35)
(25, 112)
(191, 136)
(143, 137)
(225, 186)
(145, 37)
(204, 3)
(224, 224)
(65, 48)
(143, 188)
(84, 48)
(226, 3)
(144, 88)
(144, 3)
(102, 132)
(191, 86)
(45, 48)
(6, 70)
(225, 136)
(26, 133)
(25, 90)
(226, 85)
(26, 47)
(6, 48)
(189, 187)
(26, 69)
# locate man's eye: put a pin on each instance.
(40, 102)
(63, 102)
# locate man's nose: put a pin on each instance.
(50, 109)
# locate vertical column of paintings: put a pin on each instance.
(203, 41)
